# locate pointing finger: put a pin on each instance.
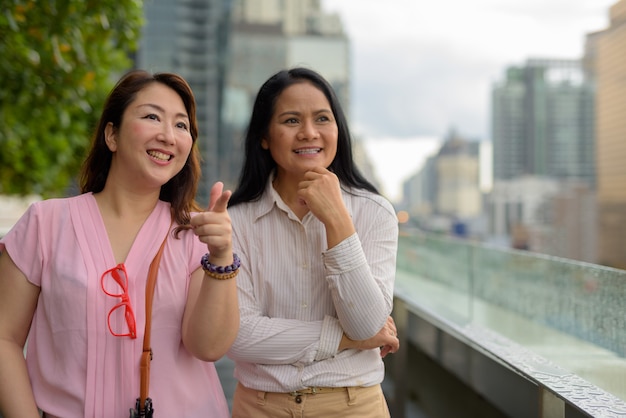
(222, 202)
(216, 192)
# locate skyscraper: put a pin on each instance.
(226, 49)
(606, 52)
(189, 37)
(458, 178)
(542, 116)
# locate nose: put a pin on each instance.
(308, 131)
(167, 134)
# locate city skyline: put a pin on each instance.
(431, 68)
(418, 78)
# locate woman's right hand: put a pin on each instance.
(386, 339)
(213, 227)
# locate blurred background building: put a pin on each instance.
(227, 49)
(606, 56)
(191, 38)
(458, 192)
(543, 150)
(558, 159)
(542, 121)
(444, 195)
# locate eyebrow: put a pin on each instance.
(160, 109)
(295, 112)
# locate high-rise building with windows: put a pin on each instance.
(542, 121)
(544, 158)
(226, 49)
(606, 57)
(458, 178)
(190, 38)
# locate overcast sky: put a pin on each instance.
(420, 68)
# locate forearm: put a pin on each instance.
(338, 228)
(362, 307)
(277, 341)
(16, 394)
(385, 340)
(213, 319)
(363, 301)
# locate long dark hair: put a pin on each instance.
(179, 191)
(258, 162)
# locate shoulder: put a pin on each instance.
(241, 208)
(252, 210)
(41, 220)
(57, 207)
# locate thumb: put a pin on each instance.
(216, 192)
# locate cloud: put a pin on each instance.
(420, 68)
(420, 89)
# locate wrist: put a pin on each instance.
(347, 343)
(220, 272)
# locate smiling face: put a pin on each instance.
(153, 141)
(302, 133)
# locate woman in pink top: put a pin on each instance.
(73, 272)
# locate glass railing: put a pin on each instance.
(570, 313)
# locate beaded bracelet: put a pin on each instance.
(220, 272)
(221, 276)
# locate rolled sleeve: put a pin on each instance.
(329, 339)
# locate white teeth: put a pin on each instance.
(159, 155)
(308, 151)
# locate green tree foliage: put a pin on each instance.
(58, 61)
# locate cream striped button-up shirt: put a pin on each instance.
(297, 297)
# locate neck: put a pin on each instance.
(118, 203)
(287, 189)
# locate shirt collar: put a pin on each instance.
(268, 199)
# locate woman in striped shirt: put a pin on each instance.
(318, 245)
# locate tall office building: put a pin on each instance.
(606, 54)
(445, 195)
(419, 191)
(458, 178)
(226, 49)
(542, 121)
(189, 37)
(270, 35)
